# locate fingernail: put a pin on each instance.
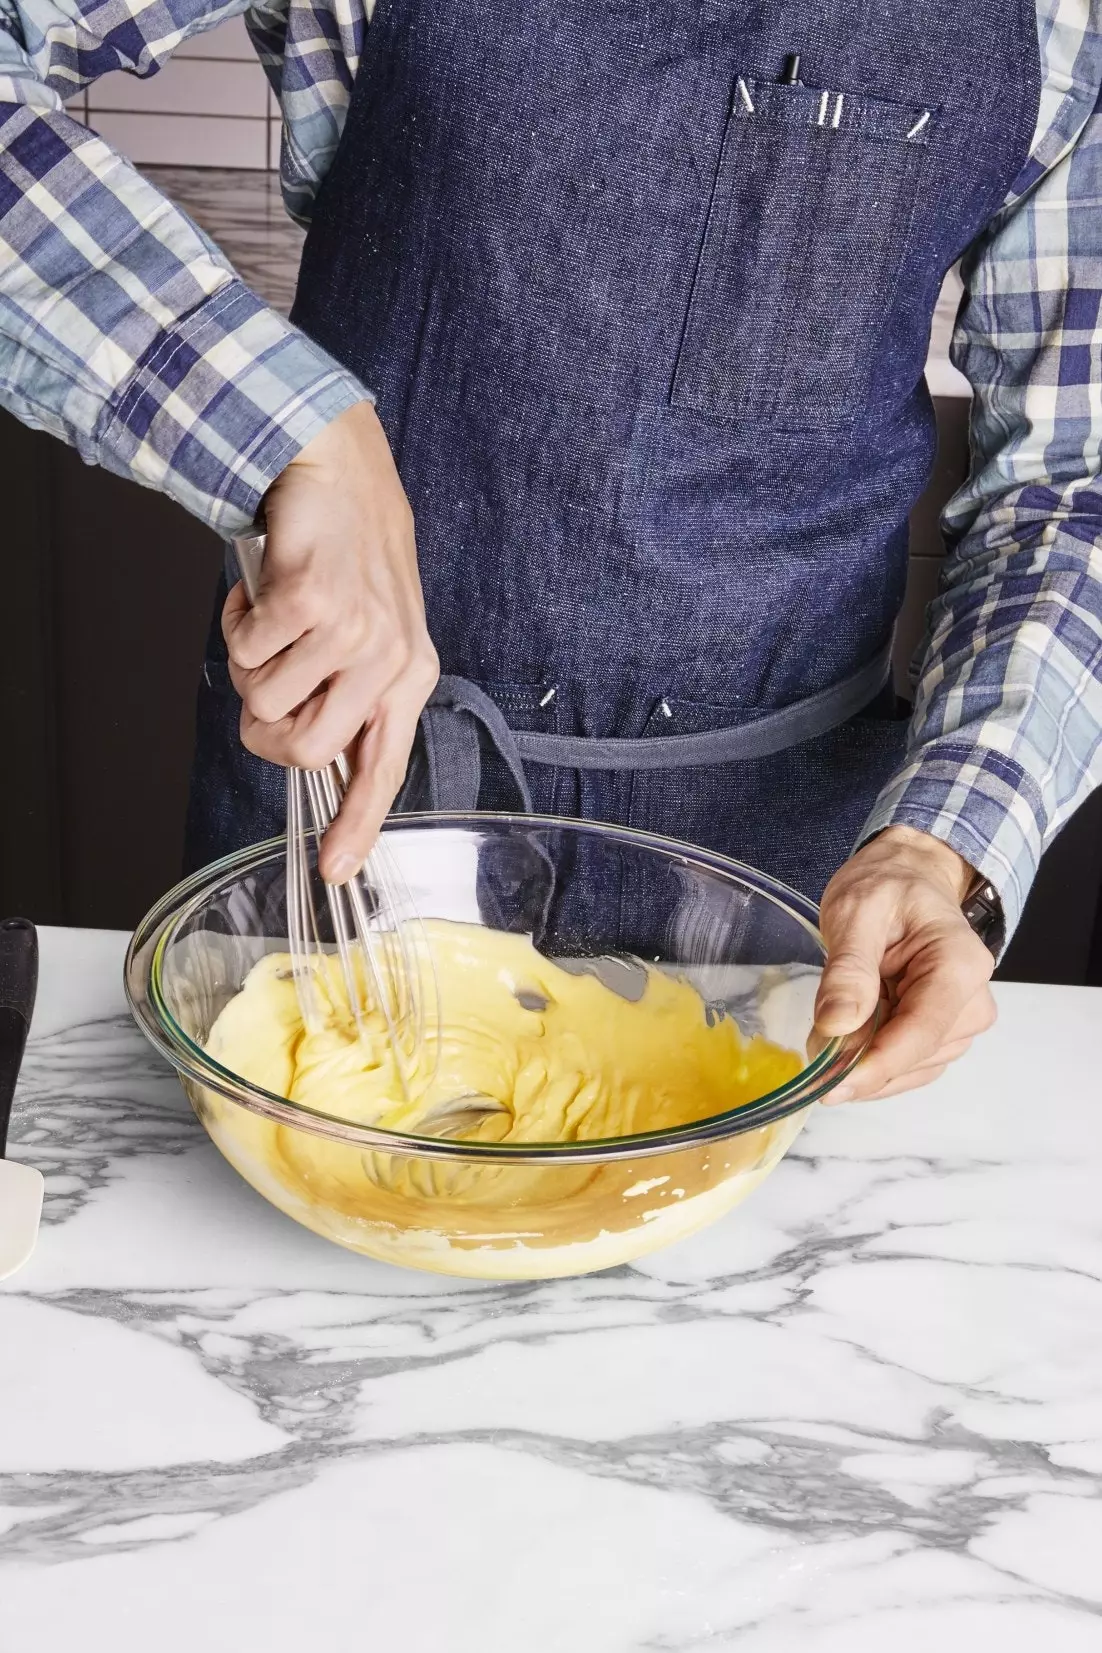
(840, 1010)
(343, 869)
(844, 1093)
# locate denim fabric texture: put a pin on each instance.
(647, 330)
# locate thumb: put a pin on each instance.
(849, 991)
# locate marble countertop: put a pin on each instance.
(864, 1411)
(243, 213)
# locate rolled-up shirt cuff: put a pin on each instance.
(219, 404)
(981, 803)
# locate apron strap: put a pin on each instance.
(450, 726)
(458, 709)
(773, 732)
(453, 759)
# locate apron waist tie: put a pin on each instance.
(449, 728)
(451, 721)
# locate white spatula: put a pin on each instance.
(21, 1186)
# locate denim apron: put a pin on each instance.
(646, 307)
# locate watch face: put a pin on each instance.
(983, 910)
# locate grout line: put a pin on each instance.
(175, 115)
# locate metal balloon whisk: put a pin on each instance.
(386, 966)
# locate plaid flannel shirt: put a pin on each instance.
(124, 331)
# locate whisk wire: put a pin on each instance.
(301, 918)
(323, 810)
(397, 933)
(374, 919)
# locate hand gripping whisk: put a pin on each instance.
(385, 963)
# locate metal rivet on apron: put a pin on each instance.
(550, 695)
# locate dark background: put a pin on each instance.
(107, 595)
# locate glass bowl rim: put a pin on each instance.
(150, 1010)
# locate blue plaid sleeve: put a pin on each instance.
(122, 328)
(310, 50)
(1006, 739)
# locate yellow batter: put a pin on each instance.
(548, 1055)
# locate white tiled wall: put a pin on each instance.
(209, 106)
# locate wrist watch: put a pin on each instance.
(984, 911)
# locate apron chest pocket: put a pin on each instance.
(803, 246)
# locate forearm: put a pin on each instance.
(125, 332)
(1005, 737)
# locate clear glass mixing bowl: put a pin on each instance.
(593, 898)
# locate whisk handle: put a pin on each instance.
(249, 549)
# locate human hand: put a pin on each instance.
(334, 655)
(892, 914)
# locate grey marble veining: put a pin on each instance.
(863, 1411)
